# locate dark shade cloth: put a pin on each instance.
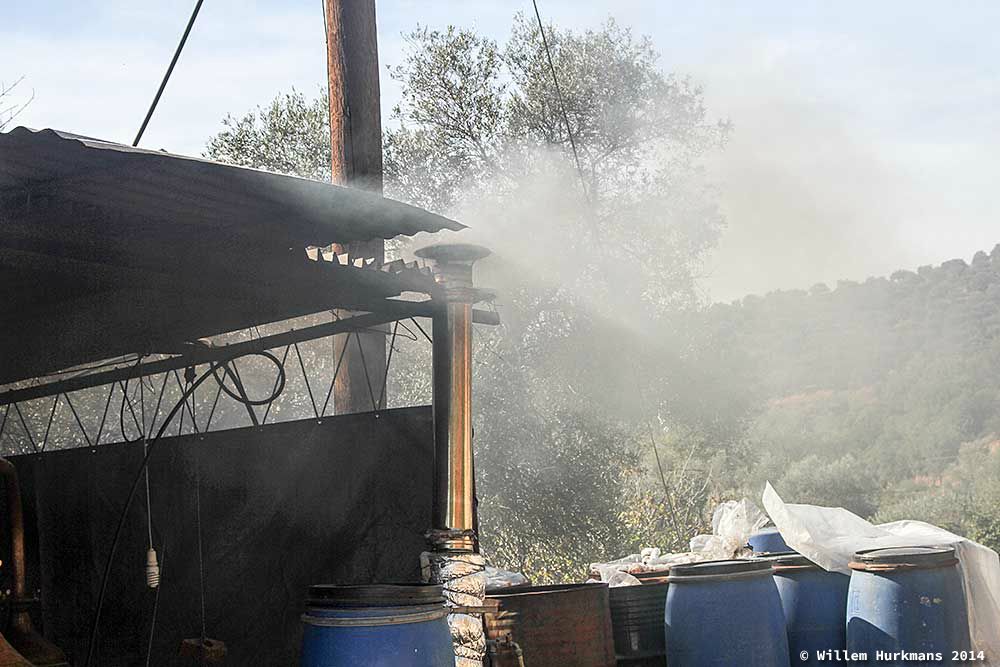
(341, 500)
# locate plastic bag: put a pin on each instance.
(829, 536)
(614, 577)
(733, 522)
(497, 578)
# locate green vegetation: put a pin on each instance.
(880, 396)
(613, 408)
(591, 266)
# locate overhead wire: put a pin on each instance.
(170, 70)
(562, 101)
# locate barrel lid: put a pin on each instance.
(925, 556)
(653, 577)
(786, 559)
(535, 590)
(719, 568)
(651, 591)
(375, 595)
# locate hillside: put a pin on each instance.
(874, 395)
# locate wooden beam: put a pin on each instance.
(356, 160)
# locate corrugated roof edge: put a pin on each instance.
(439, 221)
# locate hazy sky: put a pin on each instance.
(865, 133)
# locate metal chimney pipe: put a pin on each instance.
(35, 649)
(452, 561)
(452, 511)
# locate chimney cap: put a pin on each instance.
(448, 253)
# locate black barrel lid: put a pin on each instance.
(714, 568)
(927, 556)
(375, 595)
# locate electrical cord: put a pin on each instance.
(121, 415)
(211, 372)
(156, 604)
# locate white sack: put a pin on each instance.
(829, 536)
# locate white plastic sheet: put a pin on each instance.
(613, 577)
(829, 536)
(496, 578)
(733, 522)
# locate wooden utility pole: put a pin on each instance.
(356, 160)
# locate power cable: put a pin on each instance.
(211, 372)
(170, 70)
(562, 101)
(188, 376)
(156, 603)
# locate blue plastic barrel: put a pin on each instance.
(907, 600)
(768, 541)
(725, 613)
(380, 625)
(815, 605)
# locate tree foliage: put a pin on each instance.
(589, 261)
(11, 105)
(871, 393)
(291, 135)
(588, 264)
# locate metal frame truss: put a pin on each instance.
(125, 403)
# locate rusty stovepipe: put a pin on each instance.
(21, 633)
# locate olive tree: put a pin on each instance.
(598, 210)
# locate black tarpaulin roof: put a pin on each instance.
(108, 250)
